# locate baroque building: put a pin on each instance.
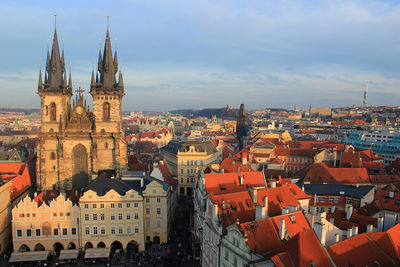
(76, 143)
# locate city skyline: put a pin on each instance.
(191, 55)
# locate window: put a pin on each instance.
(86, 216)
(53, 111)
(120, 230)
(158, 223)
(147, 211)
(322, 210)
(19, 233)
(158, 211)
(28, 232)
(226, 256)
(106, 111)
(102, 206)
(128, 216)
(37, 232)
(52, 155)
(64, 231)
(120, 205)
(348, 200)
(331, 200)
(86, 206)
(128, 229)
(101, 216)
(322, 199)
(113, 230)
(105, 145)
(112, 205)
(120, 216)
(136, 216)
(147, 200)
(181, 171)
(158, 200)
(87, 230)
(73, 231)
(234, 261)
(356, 203)
(336, 200)
(95, 230)
(94, 206)
(55, 231)
(136, 229)
(94, 216)
(136, 204)
(112, 217)
(102, 230)
(128, 205)
(147, 223)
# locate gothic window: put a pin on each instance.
(80, 159)
(53, 155)
(47, 110)
(106, 145)
(53, 114)
(106, 111)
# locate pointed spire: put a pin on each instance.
(100, 63)
(92, 83)
(65, 80)
(120, 81)
(48, 61)
(54, 68)
(62, 60)
(115, 61)
(97, 77)
(70, 79)
(40, 85)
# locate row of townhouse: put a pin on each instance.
(114, 213)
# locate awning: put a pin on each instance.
(29, 256)
(94, 253)
(66, 254)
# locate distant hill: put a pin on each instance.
(26, 111)
(225, 112)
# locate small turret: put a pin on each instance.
(92, 82)
(40, 84)
(115, 61)
(120, 81)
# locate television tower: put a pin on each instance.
(365, 102)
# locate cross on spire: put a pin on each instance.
(55, 18)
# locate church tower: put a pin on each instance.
(242, 123)
(107, 96)
(55, 94)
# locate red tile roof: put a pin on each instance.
(263, 235)
(220, 183)
(356, 219)
(302, 250)
(382, 201)
(320, 173)
(167, 174)
(368, 249)
(18, 174)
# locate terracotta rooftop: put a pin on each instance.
(220, 183)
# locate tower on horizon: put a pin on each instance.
(242, 123)
(365, 102)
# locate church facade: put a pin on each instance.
(75, 142)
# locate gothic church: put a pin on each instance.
(75, 143)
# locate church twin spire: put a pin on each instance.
(55, 77)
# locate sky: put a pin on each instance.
(180, 54)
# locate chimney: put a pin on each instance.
(349, 211)
(215, 210)
(332, 221)
(334, 157)
(280, 180)
(273, 184)
(282, 229)
(292, 208)
(320, 231)
(391, 194)
(253, 194)
(370, 228)
(240, 179)
(349, 233)
(332, 209)
(380, 224)
(222, 170)
(262, 211)
(244, 158)
(354, 230)
(337, 238)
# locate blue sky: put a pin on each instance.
(196, 54)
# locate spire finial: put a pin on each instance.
(55, 18)
(108, 21)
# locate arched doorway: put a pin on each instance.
(71, 245)
(57, 247)
(116, 245)
(24, 248)
(39, 247)
(88, 245)
(101, 245)
(132, 247)
(156, 239)
(80, 167)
